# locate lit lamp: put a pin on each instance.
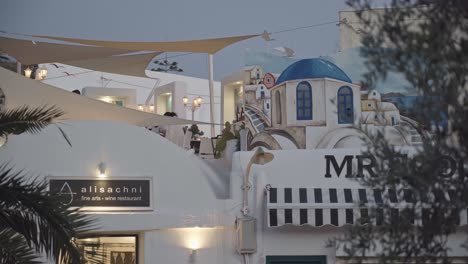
(185, 100)
(196, 103)
(102, 170)
(194, 246)
(43, 72)
(27, 72)
(260, 157)
(199, 100)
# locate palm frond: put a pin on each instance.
(46, 224)
(27, 119)
(14, 249)
(64, 135)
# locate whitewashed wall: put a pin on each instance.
(183, 186)
(298, 168)
(71, 78)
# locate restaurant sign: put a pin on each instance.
(104, 194)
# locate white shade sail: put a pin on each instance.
(93, 58)
(29, 52)
(20, 91)
(210, 46)
(134, 65)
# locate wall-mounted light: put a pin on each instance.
(106, 99)
(194, 245)
(38, 75)
(27, 72)
(43, 72)
(152, 108)
(140, 107)
(102, 170)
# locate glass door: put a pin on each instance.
(109, 249)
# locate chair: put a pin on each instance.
(206, 148)
(213, 143)
(187, 139)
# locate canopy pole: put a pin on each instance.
(18, 67)
(210, 72)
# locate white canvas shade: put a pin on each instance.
(29, 52)
(20, 91)
(93, 58)
(209, 46)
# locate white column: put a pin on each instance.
(210, 71)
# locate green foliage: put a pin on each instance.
(14, 249)
(196, 132)
(32, 220)
(167, 66)
(40, 218)
(428, 44)
(226, 135)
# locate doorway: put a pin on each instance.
(109, 249)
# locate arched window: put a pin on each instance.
(304, 101)
(278, 107)
(345, 105)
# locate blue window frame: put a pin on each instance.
(296, 259)
(304, 101)
(345, 105)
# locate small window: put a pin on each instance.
(304, 101)
(369, 105)
(118, 102)
(278, 107)
(345, 105)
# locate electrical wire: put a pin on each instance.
(305, 27)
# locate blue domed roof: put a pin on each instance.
(312, 68)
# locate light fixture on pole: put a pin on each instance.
(185, 100)
(199, 100)
(27, 72)
(260, 157)
(196, 103)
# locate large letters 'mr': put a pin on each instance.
(348, 163)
